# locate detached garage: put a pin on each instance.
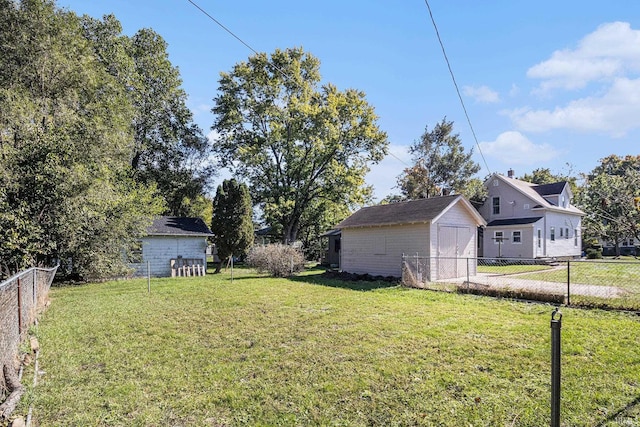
(443, 229)
(174, 246)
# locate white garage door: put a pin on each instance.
(455, 244)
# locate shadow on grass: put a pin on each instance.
(631, 405)
(354, 285)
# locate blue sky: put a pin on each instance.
(547, 84)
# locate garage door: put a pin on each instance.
(455, 244)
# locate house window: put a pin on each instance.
(561, 232)
(496, 205)
(539, 238)
(517, 237)
(525, 206)
(498, 237)
(575, 237)
(564, 202)
(553, 234)
(495, 183)
(566, 233)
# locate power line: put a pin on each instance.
(464, 108)
(285, 75)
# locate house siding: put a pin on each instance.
(513, 204)
(378, 250)
(159, 250)
(509, 249)
(562, 246)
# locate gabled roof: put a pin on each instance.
(535, 193)
(514, 221)
(411, 212)
(550, 189)
(178, 226)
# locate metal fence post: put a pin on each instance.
(568, 282)
(19, 306)
(468, 281)
(556, 326)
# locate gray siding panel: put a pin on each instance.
(159, 250)
(378, 250)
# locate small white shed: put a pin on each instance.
(179, 239)
(443, 229)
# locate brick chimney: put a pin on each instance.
(510, 173)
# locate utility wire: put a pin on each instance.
(285, 75)
(473, 132)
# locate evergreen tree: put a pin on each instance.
(232, 220)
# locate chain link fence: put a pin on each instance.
(592, 283)
(21, 298)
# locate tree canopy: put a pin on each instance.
(295, 141)
(232, 220)
(169, 149)
(441, 165)
(611, 199)
(74, 93)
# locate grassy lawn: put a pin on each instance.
(312, 351)
(511, 269)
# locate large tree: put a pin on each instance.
(232, 220)
(65, 142)
(168, 149)
(610, 199)
(295, 141)
(441, 165)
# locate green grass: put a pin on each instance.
(511, 269)
(311, 351)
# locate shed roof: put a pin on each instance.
(414, 211)
(178, 226)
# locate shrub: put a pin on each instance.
(276, 259)
(593, 253)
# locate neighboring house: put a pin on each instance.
(332, 254)
(444, 229)
(183, 240)
(526, 220)
(627, 246)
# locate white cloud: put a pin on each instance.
(615, 112)
(513, 148)
(383, 176)
(482, 94)
(611, 51)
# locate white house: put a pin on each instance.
(183, 240)
(526, 220)
(441, 228)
